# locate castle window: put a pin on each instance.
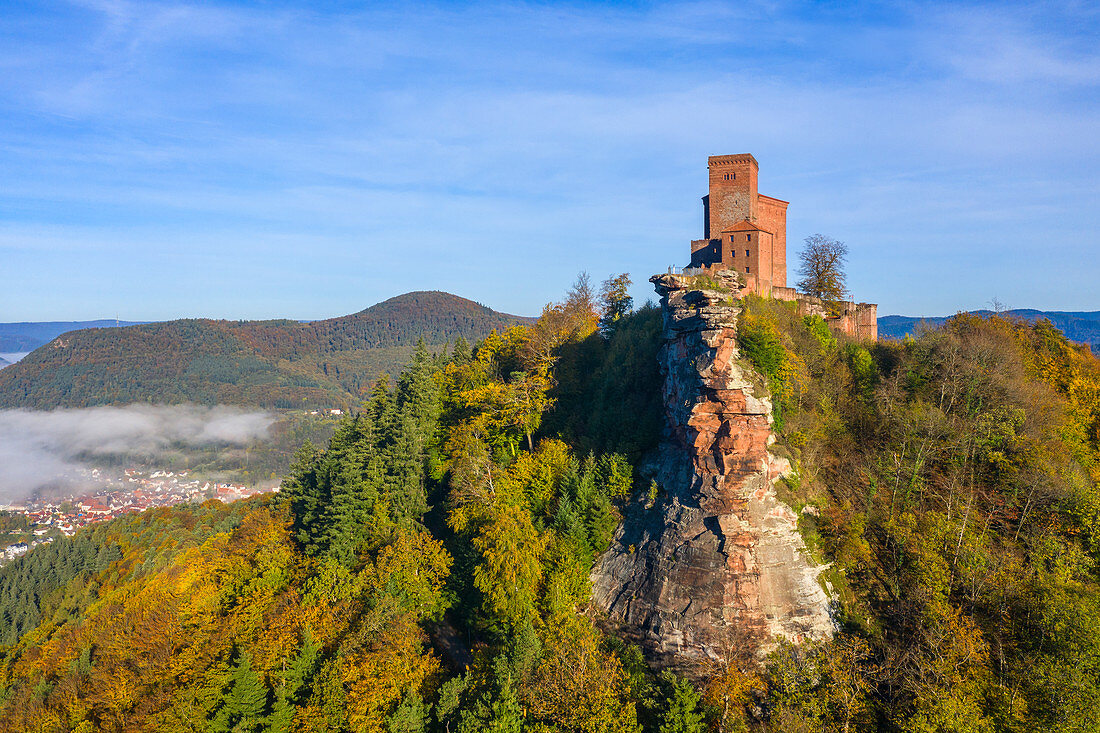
(747, 253)
(746, 269)
(749, 237)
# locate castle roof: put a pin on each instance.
(746, 226)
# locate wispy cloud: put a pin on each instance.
(479, 142)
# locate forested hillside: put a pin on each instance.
(283, 364)
(427, 570)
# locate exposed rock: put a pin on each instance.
(720, 557)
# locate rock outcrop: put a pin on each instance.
(717, 560)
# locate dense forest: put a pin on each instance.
(278, 364)
(427, 569)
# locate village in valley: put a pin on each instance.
(41, 519)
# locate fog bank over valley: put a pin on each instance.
(43, 451)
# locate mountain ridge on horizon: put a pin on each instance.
(277, 363)
(26, 336)
(1080, 326)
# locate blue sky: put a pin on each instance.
(271, 159)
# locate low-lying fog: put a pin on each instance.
(46, 450)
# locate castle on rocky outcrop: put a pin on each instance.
(714, 568)
(746, 231)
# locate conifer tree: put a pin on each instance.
(291, 683)
(497, 710)
(681, 714)
(460, 354)
(244, 703)
(410, 716)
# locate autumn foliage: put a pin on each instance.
(427, 569)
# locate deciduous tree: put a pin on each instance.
(822, 268)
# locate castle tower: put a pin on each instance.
(733, 195)
(742, 229)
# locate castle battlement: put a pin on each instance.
(731, 159)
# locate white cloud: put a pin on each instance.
(575, 135)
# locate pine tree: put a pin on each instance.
(291, 683)
(681, 714)
(418, 393)
(302, 493)
(568, 524)
(460, 354)
(411, 716)
(245, 702)
(497, 710)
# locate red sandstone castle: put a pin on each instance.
(743, 230)
(746, 231)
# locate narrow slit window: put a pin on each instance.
(749, 237)
(746, 269)
(747, 253)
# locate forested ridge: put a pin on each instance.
(279, 363)
(427, 569)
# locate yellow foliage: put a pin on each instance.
(578, 686)
(413, 569)
(511, 567)
(177, 625)
(378, 678)
(729, 692)
(530, 481)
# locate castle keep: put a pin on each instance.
(743, 230)
(746, 231)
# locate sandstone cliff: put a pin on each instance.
(717, 561)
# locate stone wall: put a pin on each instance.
(716, 561)
(857, 320)
(732, 181)
(773, 218)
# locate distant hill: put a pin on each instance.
(278, 363)
(1080, 326)
(15, 337)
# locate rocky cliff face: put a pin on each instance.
(717, 561)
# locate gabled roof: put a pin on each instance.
(745, 226)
